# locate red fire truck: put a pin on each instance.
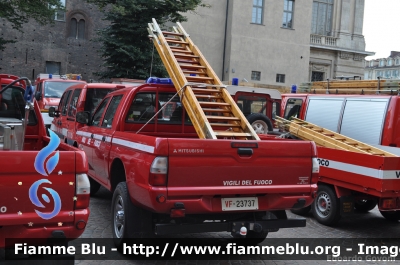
(49, 89)
(346, 177)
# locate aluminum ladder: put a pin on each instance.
(210, 107)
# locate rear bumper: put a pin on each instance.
(268, 199)
(258, 226)
(40, 234)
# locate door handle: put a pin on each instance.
(103, 139)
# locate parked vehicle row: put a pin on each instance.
(142, 147)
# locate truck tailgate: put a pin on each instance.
(55, 191)
(224, 167)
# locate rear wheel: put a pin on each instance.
(260, 123)
(301, 211)
(128, 220)
(326, 206)
(365, 205)
(391, 215)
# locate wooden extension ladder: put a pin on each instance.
(379, 86)
(327, 138)
(211, 108)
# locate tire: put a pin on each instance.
(94, 186)
(391, 215)
(128, 220)
(365, 205)
(301, 211)
(326, 206)
(260, 123)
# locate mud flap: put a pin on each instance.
(346, 205)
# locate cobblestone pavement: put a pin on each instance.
(358, 225)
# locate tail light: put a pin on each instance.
(315, 170)
(82, 191)
(159, 171)
(389, 203)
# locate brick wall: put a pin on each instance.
(38, 44)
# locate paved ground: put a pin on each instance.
(358, 225)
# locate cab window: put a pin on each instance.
(93, 97)
(99, 113)
(73, 102)
(111, 110)
(252, 104)
(144, 106)
(293, 107)
(65, 105)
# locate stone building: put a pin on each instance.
(276, 42)
(68, 46)
(281, 42)
(385, 68)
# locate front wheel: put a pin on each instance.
(326, 206)
(391, 215)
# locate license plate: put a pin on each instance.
(238, 204)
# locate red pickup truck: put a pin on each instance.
(44, 185)
(166, 180)
(80, 97)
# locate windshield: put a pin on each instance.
(55, 89)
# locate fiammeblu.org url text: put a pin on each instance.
(230, 249)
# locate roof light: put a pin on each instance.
(156, 80)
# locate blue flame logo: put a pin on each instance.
(44, 153)
(40, 168)
(35, 200)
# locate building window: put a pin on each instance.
(321, 22)
(389, 62)
(288, 10)
(255, 75)
(317, 76)
(381, 63)
(397, 61)
(77, 26)
(371, 63)
(60, 14)
(53, 67)
(258, 8)
(280, 78)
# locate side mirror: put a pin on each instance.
(82, 117)
(38, 95)
(52, 111)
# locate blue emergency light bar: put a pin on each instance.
(157, 80)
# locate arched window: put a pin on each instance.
(77, 26)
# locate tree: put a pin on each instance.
(18, 12)
(126, 48)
